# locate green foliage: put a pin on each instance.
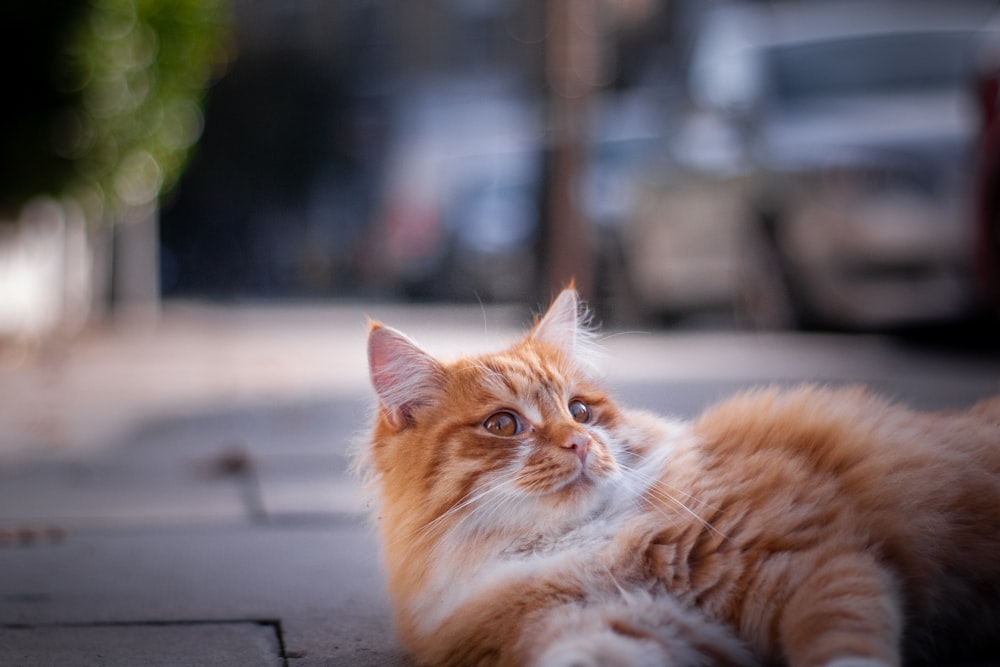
(143, 67)
(131, 76)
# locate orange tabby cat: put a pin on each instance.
(526, 519)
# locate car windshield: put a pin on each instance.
(817, 71)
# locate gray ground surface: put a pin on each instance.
(180, 495)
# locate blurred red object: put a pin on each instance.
(987, 183)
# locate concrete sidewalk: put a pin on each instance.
(180, 495)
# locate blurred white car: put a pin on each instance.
(828, 154)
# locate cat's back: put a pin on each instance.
(887, 462)
(826, 469)
(855, 437)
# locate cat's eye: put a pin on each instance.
(580, 411)
(503, 423)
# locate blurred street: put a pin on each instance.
(180, 493)
(202, 203)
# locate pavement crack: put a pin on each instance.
(279, 634)
(271, 624)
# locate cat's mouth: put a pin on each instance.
(581, 479)
(572, 474)
(591, 473)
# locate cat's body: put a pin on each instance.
(527, 519)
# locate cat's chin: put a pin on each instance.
(581, 494)
(575, 484)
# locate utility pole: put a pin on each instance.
(572, 60)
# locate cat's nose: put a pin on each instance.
(578, 442)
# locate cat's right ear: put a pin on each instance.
(404, 376)
(560, 326)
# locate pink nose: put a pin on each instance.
(578, 442)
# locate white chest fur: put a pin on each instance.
(453, 583)
(472, 564)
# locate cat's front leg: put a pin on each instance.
(603, 649)
(632, 629)
(845, 613)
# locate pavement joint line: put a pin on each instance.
(143, 623)
(274, 624)
(279, 633)
(317, 520)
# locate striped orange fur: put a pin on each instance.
(527, 519)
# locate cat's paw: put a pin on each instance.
(634, 630)
(605, 649)
(570, 660)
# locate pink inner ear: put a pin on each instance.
(402, 374)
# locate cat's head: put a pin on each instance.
(519, 439)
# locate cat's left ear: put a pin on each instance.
(403, 375)
(560, 327)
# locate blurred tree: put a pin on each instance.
(103, 97)
(102, 106)
(141, 68)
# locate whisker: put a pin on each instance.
(482, 308)
(467, 501)
(492, 376)
(653, 480)
(661, 491)
(493, 495)
(617, 334)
